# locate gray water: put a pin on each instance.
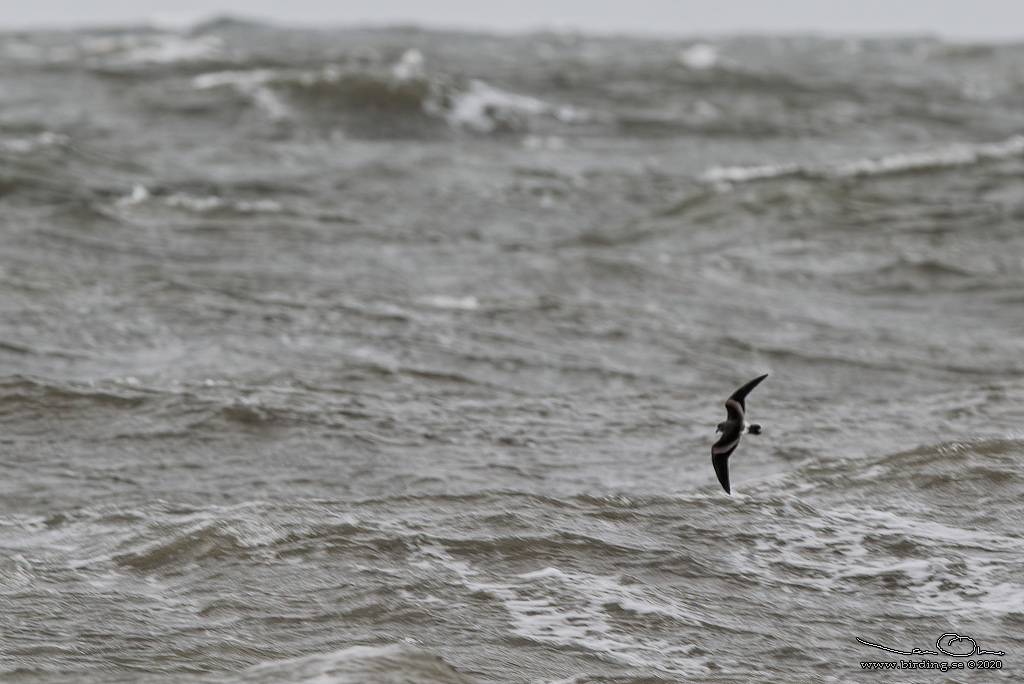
(389, 356)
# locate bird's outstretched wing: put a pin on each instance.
(723, 449)
(739, 395)
(735, 411)
(726, 445)
(721, 463)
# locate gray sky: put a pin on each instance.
(957, 19)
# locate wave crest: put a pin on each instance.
(953, 155)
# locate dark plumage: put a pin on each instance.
(734, 426)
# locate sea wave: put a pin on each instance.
(633, 582)
(390, 664)
(949, 156)
(414, 341)
(124, 50)
(129, 49)
(581, 610)
(484, 108)
(404, 88)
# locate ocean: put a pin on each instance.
(393, 355)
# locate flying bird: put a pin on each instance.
(732, 429)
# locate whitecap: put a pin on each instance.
(192, 203)
(569, 608)
(837, 550)
(952, 155)
(742, 174)
(254, 83)
(469, 303)
(159, 49)
(212, 203)
(699, 56)
(267, 100)
(26, 145)
(243, 80)
(411, 66)
(261, 206)
(481, 107)
(357, 664)
(484, 108)
(138, 195)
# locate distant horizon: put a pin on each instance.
(984, 21)
(160, 23)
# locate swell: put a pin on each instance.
(358, 665)
(392, 101)
(36, 394)
(164, 538)
(646, 583)
(613, 531)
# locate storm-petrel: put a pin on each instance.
(732, 428)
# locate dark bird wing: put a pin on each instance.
(724, 447)
(735, 410)
(739, 395)
(720, 459)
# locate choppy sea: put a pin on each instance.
(391, 355)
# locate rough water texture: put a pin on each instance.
(389, 356)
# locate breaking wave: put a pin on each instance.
(955, 155)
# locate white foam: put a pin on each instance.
(243, 80)
(699, 56)
(546, 573)
(206, 204)
(139, 195)
(358, 664)
(891, 522)
(43, 140)
(267, 100)
(477, 107)
(963, 574)
(742, 174)
(483, 108)
(192, 203)
(262, 206)
(254, 83)
(167, 48)
(570, 608)
(411, 66)
(469, 303)
(561, 607)
(956, 154)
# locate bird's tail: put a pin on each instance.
(754, 429)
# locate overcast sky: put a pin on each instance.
(956, 19)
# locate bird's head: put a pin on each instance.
(720, 428)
